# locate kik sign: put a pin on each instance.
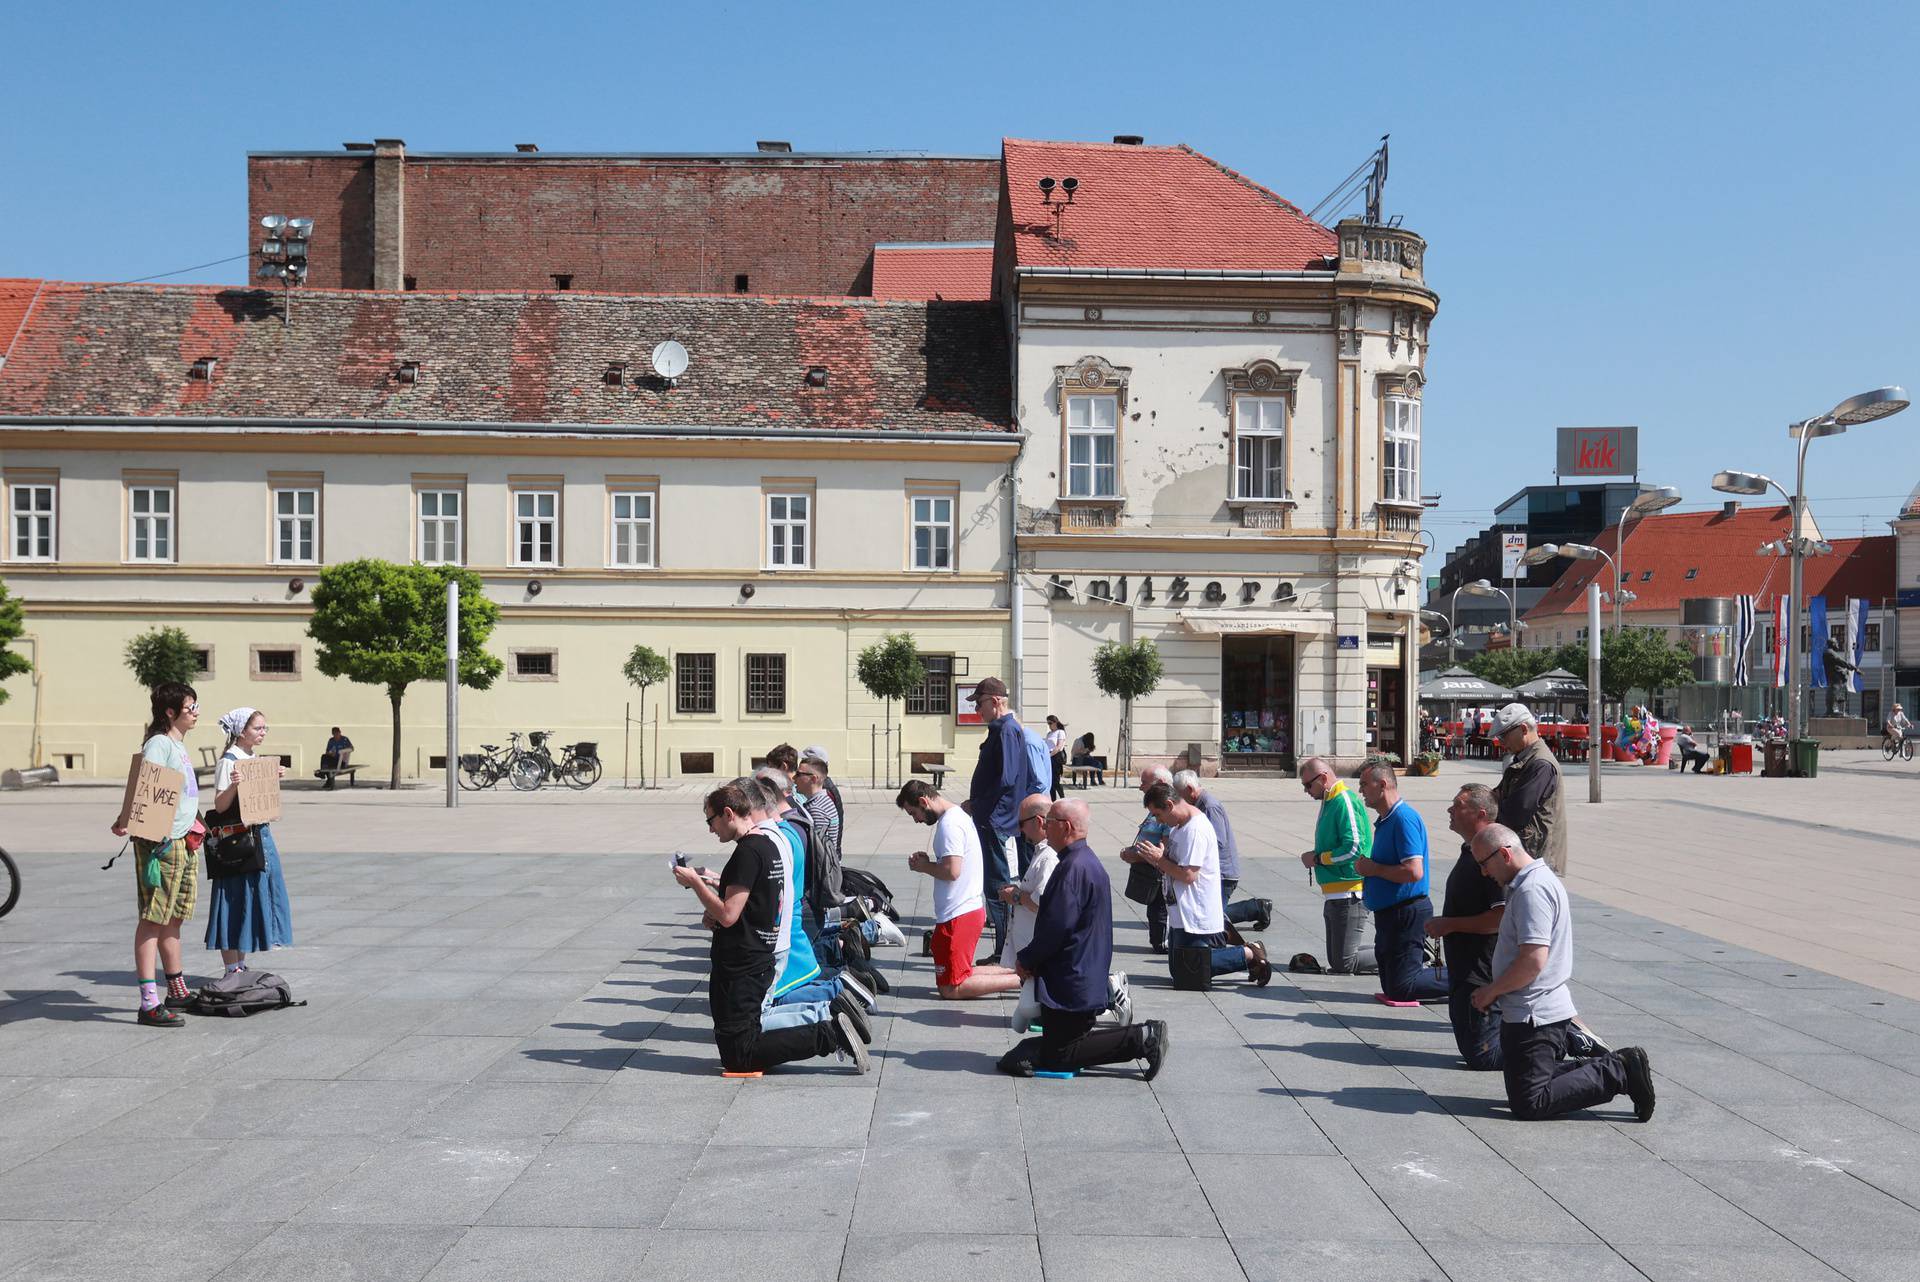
(1598, 451)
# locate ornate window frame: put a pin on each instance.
(1092, 376)
(1400, 386)
(1264, 379)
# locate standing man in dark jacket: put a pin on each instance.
(1001, 781)
(1068, 960)
(1531, 800)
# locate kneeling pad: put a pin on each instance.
(727, 1073)
(1065, 1077)
(1385, 1000)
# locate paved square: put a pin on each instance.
(506, 1070)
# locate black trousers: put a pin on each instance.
(1059, 767)
(1069, 1040)
(735, 1003)
(1543, 1083)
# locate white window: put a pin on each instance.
(536, 527)
(789, 529)
(932, 532)
(150, 523)
(296, 526)
(33, 522)
(632, 528)
(1400, 466)
(1092, 439)
(1260, 462)
(440, 527)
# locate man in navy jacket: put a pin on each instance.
(1068, 959)
(1002, 778)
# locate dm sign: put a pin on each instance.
(1598, 451)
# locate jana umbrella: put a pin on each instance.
(1457, 685)
(1557, 686)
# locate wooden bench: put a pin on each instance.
(332, 766)
(1079, 776)
(939, 774)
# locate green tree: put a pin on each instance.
(1642, 659)
(13, 623)
(890, 669)
(1510, 668)
(378, 623)
(644, 668)
(162, 655)
(1127, 672)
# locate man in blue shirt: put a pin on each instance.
(1394, 889)
(1002, 779)
(1068, 960)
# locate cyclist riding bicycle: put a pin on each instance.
(1898, 726)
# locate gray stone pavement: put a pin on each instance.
(506, 1071)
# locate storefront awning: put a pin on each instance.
(1243, 622)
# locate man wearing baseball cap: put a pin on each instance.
(1531, 800)
(1003, 777)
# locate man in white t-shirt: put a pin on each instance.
(1190, 866)
(958, 868)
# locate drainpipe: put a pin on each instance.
(1016, 608)
(33, 752)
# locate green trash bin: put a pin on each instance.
(1806, 758)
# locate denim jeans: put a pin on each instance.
(1399, 941)
(1241, 913)
(1001, 850)
(1477, 1034)
(1226, 958)
(1347, 950)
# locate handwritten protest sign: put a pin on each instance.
(259, 779)
(154, 799)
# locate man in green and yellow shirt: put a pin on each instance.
(1342, 834)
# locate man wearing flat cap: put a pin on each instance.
(1004, 776)
(1530, 798)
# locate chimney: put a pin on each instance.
(1730, 508)
(1129, 140)
(526, 148)
(389, 213)
(782, 148)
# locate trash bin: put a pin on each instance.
(1665, 752)
(1776, 750)
(1806, 757)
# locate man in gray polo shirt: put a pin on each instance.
(1532, 964)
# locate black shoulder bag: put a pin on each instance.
(233, 848)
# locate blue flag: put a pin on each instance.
(1817, 642)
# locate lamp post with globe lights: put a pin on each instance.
(1852, 412)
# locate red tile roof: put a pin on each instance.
(924, 273)
(1723, 550)
(1150, 208)
(124, 351)
(16, 300)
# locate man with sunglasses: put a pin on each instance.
(1532, 966)
(1341, 835)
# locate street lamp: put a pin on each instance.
(283, 254)
(1480, 587)
(1855, 410)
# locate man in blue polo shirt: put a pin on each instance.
(1394, 890)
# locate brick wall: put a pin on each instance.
(790, 224)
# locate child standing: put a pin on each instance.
(165, 879)
(249, 912)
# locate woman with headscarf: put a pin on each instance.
(251, 913)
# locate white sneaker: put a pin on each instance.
(888, 932)
(1119, 997)
(857, 989)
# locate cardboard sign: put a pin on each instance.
(259, 780)
(154, 800)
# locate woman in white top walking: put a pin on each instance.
(1057, 750)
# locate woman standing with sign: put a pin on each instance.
(250, 912)
(165, 879)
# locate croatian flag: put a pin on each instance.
(1742, 637)
(1856, 640)
(1780, 613)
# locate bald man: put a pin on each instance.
(1068, 960)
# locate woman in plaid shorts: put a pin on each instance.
(165, 879)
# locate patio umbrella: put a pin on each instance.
(1557, 686)
(1457, 685)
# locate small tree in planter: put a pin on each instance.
(1427, 763)
(644, 668)
(890, 669)
(162, 655)
(1127, 672)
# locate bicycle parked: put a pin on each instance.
(487, 767)
(9, 883)
(578, 767)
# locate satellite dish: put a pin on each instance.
(669, 360)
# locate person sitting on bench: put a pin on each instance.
(334, 757)
(1690, 750)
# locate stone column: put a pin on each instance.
(389, 213)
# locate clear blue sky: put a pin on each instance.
(1699, 218)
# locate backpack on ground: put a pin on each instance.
(245, 992)
(824, 889)
(856, 881)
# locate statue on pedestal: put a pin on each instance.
(1840, 674)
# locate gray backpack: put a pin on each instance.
(242, 993)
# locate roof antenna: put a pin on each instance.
(1377, 182)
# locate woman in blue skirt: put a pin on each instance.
(250, 911)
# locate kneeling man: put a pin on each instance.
(958, 869)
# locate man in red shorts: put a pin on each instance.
(959, 900)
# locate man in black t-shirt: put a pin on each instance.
(746, 916)
(1468, 928)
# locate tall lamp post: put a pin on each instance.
(283, 255)
(1479, 587)
(1855, 410)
